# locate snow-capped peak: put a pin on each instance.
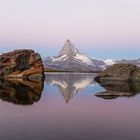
(71, 59)
(68, 49)
(109, 61)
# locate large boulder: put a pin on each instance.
(119, 72)
(25, 64)
(119, 80)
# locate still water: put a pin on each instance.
(65, 107)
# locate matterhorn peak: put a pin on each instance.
(68, 49)
(70, 59)
(68, 42)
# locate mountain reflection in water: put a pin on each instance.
(70, 84)
(86, 117)
(21, 91)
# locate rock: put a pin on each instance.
(118, 72)
(112, 95)
(117, 86)
(119, 80)
(119, 89)
(136, 75)
(21, 91)
(21, 64)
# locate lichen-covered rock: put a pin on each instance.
(117, 72)
(21, 64)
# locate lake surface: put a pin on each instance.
(67, 109)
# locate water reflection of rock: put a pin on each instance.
(70, 84)
(119, 89)
(21, 91)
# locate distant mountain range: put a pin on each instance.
(71, 59)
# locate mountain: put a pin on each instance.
(125, 61)
(109, 62)
(71, 59)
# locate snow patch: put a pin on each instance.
(109, 61)
(84, 59)
(61, 58)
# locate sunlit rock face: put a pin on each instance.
(21, 92)
(25, 64)
(70, 84)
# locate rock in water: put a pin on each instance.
(119, 80)
(25, 64)
(117, 72)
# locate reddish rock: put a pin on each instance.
(25, 64)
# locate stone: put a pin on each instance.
(112, 95)
(118, 72)
(119, 89)
(21, 64)
(136, 75)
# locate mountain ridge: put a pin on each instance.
(71, 59)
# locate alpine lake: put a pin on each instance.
(69, 106)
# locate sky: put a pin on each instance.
(98, 28)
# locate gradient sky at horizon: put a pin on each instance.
(99, 28)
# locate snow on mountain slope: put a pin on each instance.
(70, 59)
(109, 61)
(84, 59)
(61, 58)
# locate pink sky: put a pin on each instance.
(92, 24)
